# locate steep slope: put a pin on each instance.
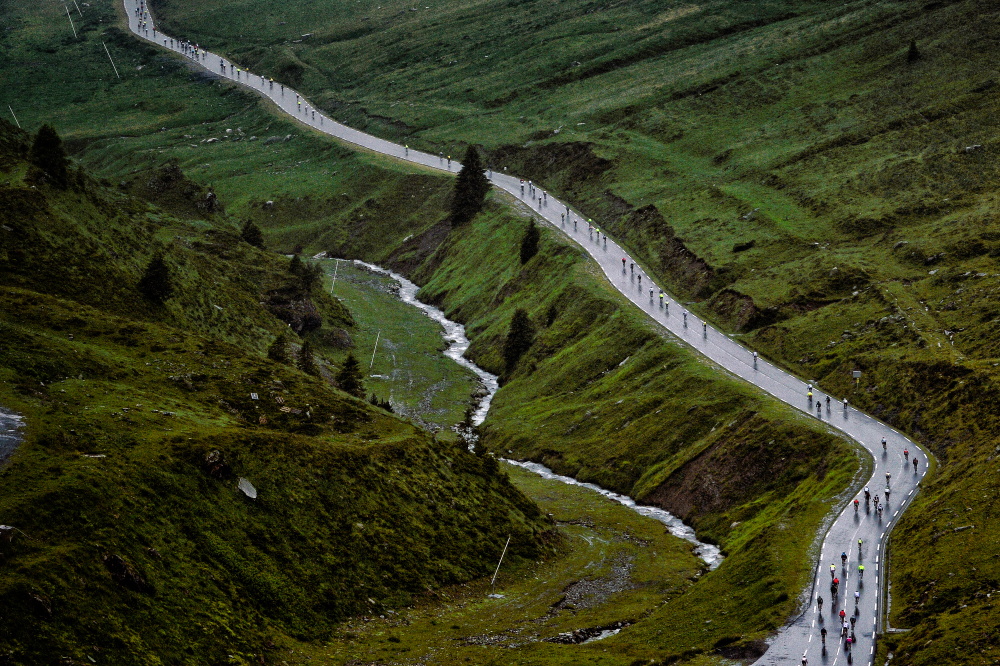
(134, 544)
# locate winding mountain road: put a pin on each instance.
(860, 534)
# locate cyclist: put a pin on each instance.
(704, 328)
(819, 410)
(861, 571)
(631, 267)
(843, 558)
(883, 444)
(828, 403)
(906, 454)
(914, 464)
(843, 614)
(846, 628)
(650, 293)
(822, 635)
(755, 359)
(833, 571)
(855, 506)
(868, 495)
(888, 477)
(685, 318)
(857, 598)
(859, 549)
(623, 264)
(887, 493)
(640, 280)
(819, 603)
(854, 619)
(661, 298)
(809, 394)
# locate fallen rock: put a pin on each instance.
(247, 488)
(123, 574)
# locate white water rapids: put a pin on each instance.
(454, 333)
(10, 435)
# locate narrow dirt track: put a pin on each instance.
(859, 534)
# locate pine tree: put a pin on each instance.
(350, 377)
(251, 234)
(471, 187)
(47, 153)
(519, 338)
(278, 351)
(913, 54)
(295, 265)
(310, 277)
(307, 362)
(155, 283)
(529, 242)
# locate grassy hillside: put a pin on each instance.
(798, 170)
(603, 396)
(753, 140)
(134, 544)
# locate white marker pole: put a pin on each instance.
(111, 59)
(370, 365)
(336, 265)
(15, 117)
(500, 562)
(71, 21)
(77, 7)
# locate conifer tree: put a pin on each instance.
(155, 283)
(913, 54)
(350, 377)
(529, 242)
(251, 234)
(520, 337)
(278, 351)
(47, 153)
(471, 187)
(307, 362)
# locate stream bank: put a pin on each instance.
(458, 344)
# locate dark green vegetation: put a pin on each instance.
(135, 546)
(819, 177)
(471, 187)
(598, 393)
(630, 564)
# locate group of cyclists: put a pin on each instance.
(846, 623)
